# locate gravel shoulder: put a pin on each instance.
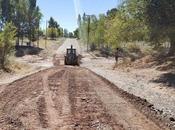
(135, 81)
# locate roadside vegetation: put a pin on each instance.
(54, 29)
(25, 16)
(20, 31)
(19, 19)
(7, 37)
(140, 27)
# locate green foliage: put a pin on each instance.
(161, 19)
(52, 33)
(65, 33)
(92, 29)
(127, 23)
(71, 35)
(53, 23)
(112, 13)
(24, 14)
(76, 33)
(133, 47)
(54, 29)
(132, 21)
(61, 33)
(100, 30)
(7, 37)
(33, 19)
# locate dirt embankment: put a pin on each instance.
(70, 98)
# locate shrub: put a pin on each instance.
(106, 51)
(134, 48)
(7, 42)
(93, 47)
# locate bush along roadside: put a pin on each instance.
(7, 43)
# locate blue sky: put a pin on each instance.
(65, 11)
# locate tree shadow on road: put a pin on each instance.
(27, 50)
(168, 79)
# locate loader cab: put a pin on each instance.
(71, 57)
(71, 51)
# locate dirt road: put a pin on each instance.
(71, 98)
(67, 44)
(67, 98)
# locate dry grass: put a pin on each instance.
(45, 44)
(48, 51)
(17, 67)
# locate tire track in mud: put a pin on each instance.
(48, 112)
(59, 86)
(42, 110)
(87, 109)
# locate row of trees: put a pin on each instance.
(54, 30)
(25, 16)
(152, 21)
(18, 19)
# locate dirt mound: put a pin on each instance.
(161, 63)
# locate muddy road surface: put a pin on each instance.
(68, 98)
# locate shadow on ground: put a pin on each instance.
(168, 79)
(27, 50)
(165, 63)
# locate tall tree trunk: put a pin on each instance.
(30, 36)
(22, 42)
(3, 58)
(38, 37)
(172, 48)
(17, 42)
(30, 31)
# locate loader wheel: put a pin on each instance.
(78, 63)
(65, 62)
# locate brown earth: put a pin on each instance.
(71, 98)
